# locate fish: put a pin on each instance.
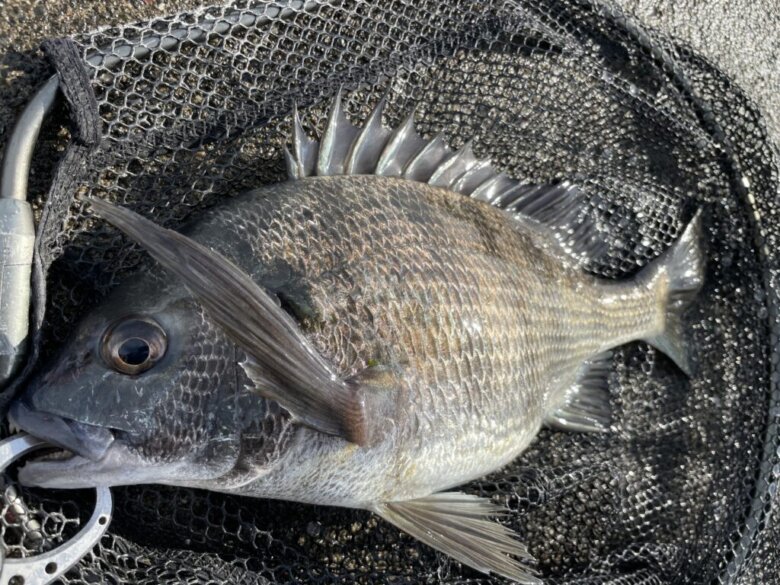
(395, 320)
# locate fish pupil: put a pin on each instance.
(134, 351)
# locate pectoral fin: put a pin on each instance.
(282, 362)
(459, 525)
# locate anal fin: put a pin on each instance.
(586, 404)
(460, 526)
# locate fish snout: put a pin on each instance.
(68, 369)
(88, 441)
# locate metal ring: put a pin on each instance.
(47, 567)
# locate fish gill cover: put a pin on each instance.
(681, 489)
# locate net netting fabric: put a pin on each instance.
(196, 107)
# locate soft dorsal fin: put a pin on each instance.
(563, 210)
(283, 364)
(345, 149)
(464, 527)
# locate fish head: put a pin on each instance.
(145, 391)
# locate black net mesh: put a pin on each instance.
(196, 107)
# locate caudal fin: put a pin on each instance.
(683, 268)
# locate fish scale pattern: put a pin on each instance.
(434, 255)
(684, 487)
(208, 367)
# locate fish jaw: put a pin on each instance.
(117, 466)
(88, 441)
(96, 456)
(92, 456)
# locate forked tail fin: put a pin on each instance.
(683, 267)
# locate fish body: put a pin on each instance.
(474, 326)
(362, 340)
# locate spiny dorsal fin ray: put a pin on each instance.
(558, 209)
(336, 141)
(460, 526)
(283, 364)
(492, 188)
(302, 161)
(293, 171)
(368, 146)
(402, 147)
(425, 163)
(480, 173)
(452, 168)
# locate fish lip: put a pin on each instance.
(86, 441)
(57, 474)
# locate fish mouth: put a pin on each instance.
(84, 456)
(77, 441)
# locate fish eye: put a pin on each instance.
(134, 351)
(133, 344)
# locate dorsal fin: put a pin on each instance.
(302, 161)
(369, 144)
(402, 147)
(425, 163)
(336, 141)
(560, 209)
